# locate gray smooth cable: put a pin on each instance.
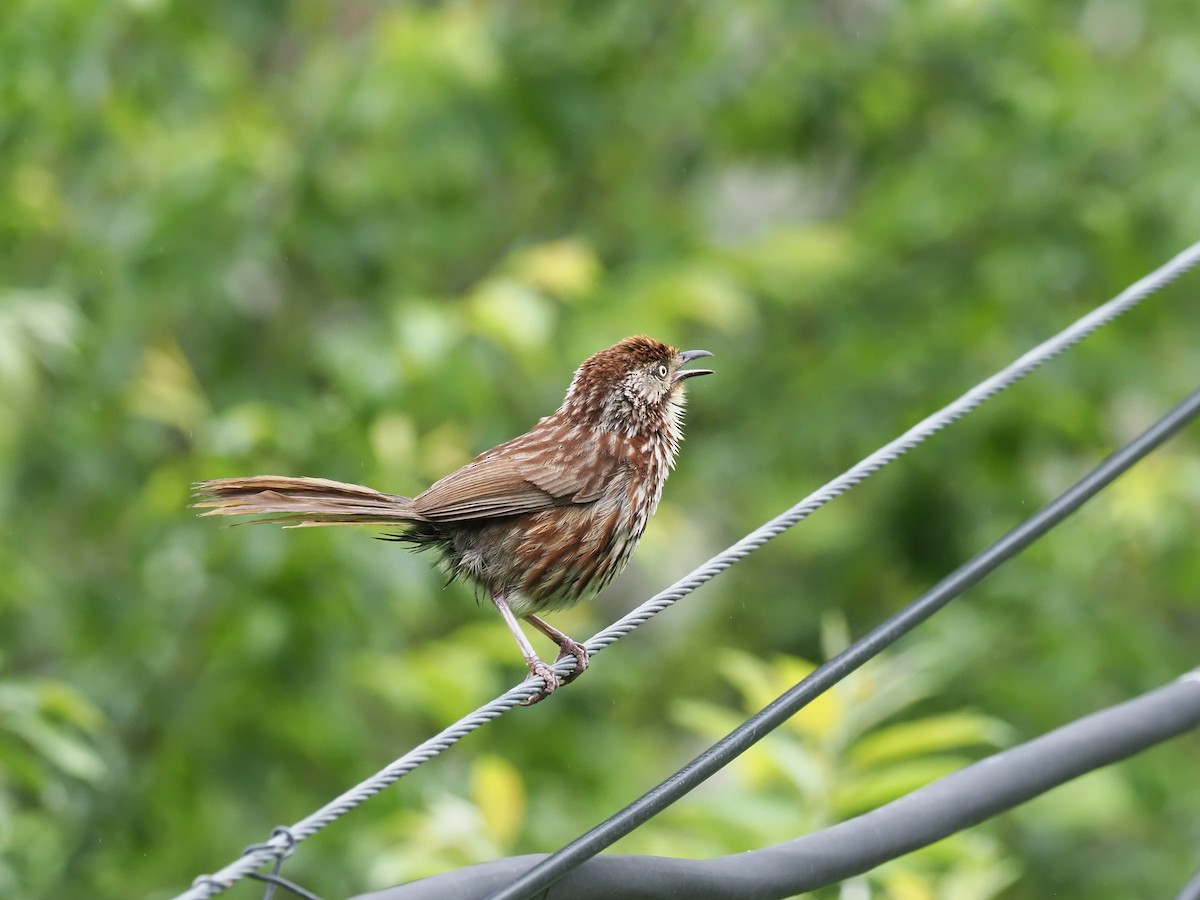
(1191, 890)
(283, 843)
(959, 800)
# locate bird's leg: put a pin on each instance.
(567, 647)
(536, 666)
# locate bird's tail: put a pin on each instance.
(299, 502)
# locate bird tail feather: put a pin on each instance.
(302, 502)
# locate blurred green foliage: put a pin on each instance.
(368, 241)
(853, 749)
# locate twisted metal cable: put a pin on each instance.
(285, 839)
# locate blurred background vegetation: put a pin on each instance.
(367, 241)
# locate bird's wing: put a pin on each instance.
(513, 479)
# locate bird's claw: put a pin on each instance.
(577, 650)
(550, 681)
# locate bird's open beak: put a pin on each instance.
(687, 356)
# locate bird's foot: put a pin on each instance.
(577, 650)
(567, 646)
(550, 680)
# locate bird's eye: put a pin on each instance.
(661, 370)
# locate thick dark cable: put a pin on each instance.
(959, 800)
(830, 673)
(274, 880)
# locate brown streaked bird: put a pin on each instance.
(539, 522)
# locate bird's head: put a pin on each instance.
(635, 386)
